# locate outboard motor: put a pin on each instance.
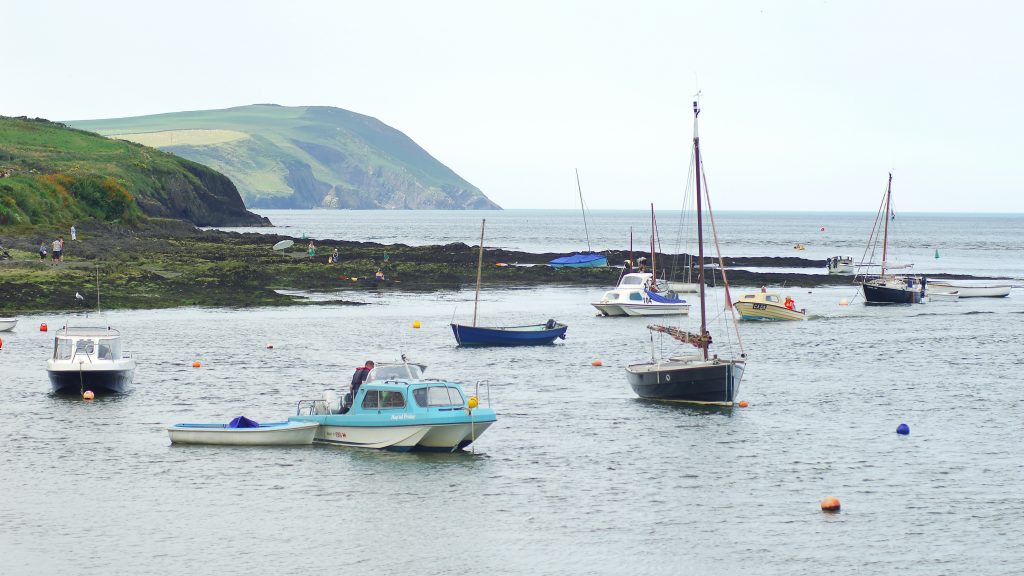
(332, 402)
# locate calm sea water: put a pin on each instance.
(977, 244)
(577, 477)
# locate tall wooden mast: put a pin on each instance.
(700, 234)
(885, 237)
(479, 269)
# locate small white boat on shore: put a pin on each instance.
(244, 432)
(970, 291)
(8, 324)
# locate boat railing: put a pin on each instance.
(312, 408)
(487, 389)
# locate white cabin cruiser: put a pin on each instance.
(840, 265)
(637, 295)
(89, 359)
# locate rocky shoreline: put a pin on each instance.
(168, 263)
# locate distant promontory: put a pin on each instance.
(304, 157)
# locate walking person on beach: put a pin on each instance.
(55, 255)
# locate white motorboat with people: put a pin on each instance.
(89, 359)
(766, 305)
(637, 295)
(8, 324)
(242, 431)
(397, 409)
(840, 265)
(970, 290)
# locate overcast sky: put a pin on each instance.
(806, 105)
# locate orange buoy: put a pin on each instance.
(830, 504)
(196, 364)
(88, 395)
(42, 327)
(743, 404)
(597, 363)
(1, 343)
(416, 324)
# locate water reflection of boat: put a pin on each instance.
(89, 359)
(244, 432)
(399, 413)
(768, 306)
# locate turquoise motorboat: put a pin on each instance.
(400, 412)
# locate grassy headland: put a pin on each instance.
(52, 175)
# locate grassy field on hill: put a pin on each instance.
(55, 175)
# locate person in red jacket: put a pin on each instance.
(359, 377)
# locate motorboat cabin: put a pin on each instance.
(89, 359)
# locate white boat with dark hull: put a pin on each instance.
(889, 288)
(702, 378)
(970, 291)
(8, 324)
(244, 432)
(89, 359)
(840, 265)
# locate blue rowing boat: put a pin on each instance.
(531, 335)
(580, 260)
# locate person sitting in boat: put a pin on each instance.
(359, 377)
(790, 303)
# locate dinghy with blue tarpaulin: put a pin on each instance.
(580, 260)
(242, 431)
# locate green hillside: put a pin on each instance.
(304, 157)
(54, 175)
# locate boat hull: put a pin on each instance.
(275, 434)
(689, 381)
(112, 381)
(7, 324)
(405, 438)
(654, 309)
(609, 309)
(973, 291)
(511, 336)
(885, 295)
(767, 312)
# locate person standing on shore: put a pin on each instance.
(42, 251)
(312, 250)
(74, 233)
(55, 255)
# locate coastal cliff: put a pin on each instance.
(51, 175)
(305, 157)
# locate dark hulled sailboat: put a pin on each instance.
(701, 378)
(890, 288)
